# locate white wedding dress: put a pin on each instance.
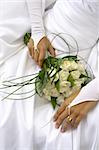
(27, 124)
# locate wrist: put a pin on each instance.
(37, 38)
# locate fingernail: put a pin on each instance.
(62, 130)
(56, 126)
(54, 119)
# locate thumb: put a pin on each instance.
(42, 53)
(52, 51)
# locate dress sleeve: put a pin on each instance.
(36, 10)
(88, 93)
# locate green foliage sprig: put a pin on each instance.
(27, 37)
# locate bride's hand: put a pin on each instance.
(77, 113)
(39, 54)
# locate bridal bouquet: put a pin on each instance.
(60, 77)
(56, 81)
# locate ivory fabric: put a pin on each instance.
(36, 9)
(27, 124)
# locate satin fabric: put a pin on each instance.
(27, 124)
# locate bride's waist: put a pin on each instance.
(13, 30)
(9, 49)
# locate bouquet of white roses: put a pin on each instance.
(60, 77)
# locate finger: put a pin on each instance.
(69, 121)
(83, 113)
(52, 51)
(42, 54)
(59, 111)
(31, 48)
(61, 118)
(32, 53)
(65, 126)
(77, 121)
(62, 108)
(64, 105)
(36, 55)
(72, 119)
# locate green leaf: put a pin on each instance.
(85, 83)
(84, 76)
(41, 81)
(27, 37)
(57, 85)
(43, 77)
(38, 87)
(41, 74)
(71, 58)
(51, 62)
(54, 102)
(71, 80)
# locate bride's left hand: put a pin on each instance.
(77, 113)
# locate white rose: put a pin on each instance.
(60, 99)
(65, 65)
(81, 68)
(64, 86)
(49, 85)
(75, 74)
(69, 65)
(50, 90)
(63, 75)
(73, 65)
(54, 92)
(77, 84)
(47, 94)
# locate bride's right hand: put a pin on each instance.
(65, 104)
(71, 117)
(39, 54)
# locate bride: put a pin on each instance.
(28, 124)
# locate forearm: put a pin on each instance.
(88, 93)
(35, 8)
